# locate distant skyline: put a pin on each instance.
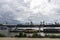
(30, 10)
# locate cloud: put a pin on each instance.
(36, 10)
(49, 10)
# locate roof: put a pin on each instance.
(51, 25)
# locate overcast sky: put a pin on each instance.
(34, 10)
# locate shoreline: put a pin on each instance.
(8, 38)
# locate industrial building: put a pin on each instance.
(12, 30)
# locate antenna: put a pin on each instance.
(56, 22)
(30, 21)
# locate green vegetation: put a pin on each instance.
(52, 36)
(35, 35)
(1, 35)
(21, 34)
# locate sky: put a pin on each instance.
(30, 10)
